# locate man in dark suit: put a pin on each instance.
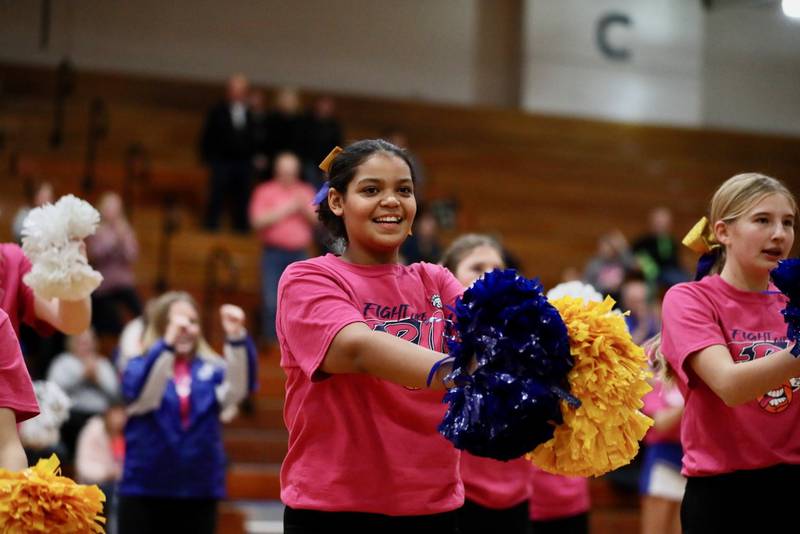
(226, 146)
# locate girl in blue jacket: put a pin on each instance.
(176, 391)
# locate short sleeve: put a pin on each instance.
(16, 389)
(312, 308)
(689, 325)
(26, 300)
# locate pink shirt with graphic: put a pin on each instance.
(556, 497)
(16, 389)
(658, 399)
(716, 438)
(495, 484)
(290, 233)
(356, 442)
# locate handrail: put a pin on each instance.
(98, 130)
(218, 258)
(65, 86)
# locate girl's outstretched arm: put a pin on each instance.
(359, 349)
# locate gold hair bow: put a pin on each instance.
(325, 166)
(701, 237)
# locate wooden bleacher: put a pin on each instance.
(548, 185)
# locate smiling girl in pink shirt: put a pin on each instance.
(359, 334)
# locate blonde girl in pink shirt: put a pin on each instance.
(725, 341)
(360, 335)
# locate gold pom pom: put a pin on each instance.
(609, 378)
(38, 499)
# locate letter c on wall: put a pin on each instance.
(604, 24)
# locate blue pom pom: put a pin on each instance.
(786, 277)
(509, 403)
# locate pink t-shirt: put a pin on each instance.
(16, 298)
(16, 389)
(495, 484)
(291, 233)
(358, 443)
(658, 399)
(716, 438)
(555, 496)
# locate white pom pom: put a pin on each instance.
(575, 289)
(52, 236)
(44, 430)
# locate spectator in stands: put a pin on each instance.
(657, 251)
(423, 244)
(643, 320)
(226, 146)
(37, 193)
(607, 270)
(320, 133)
(284, 124)
(174, 471)
(88, 379)
(100, 455)
(113, 250)
(282, 214)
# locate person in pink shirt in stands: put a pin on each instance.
(361, 337)
(661, 484)
(281, 212)
(496, 493)
(113, 251)
(725, 340)
(17, 399)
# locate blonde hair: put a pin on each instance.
(731, 200)
(736, 196)
(157, 319)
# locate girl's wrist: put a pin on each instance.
(439, 372)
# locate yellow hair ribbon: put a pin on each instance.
(325, 166)
(701, 237)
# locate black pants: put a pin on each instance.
(316, 522)
(744, 501)
(476, 519)
(106, 307)
(161, 515)
(574, 524)
(230, 180)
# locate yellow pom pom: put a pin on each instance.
(609, 378)
(38, 499)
